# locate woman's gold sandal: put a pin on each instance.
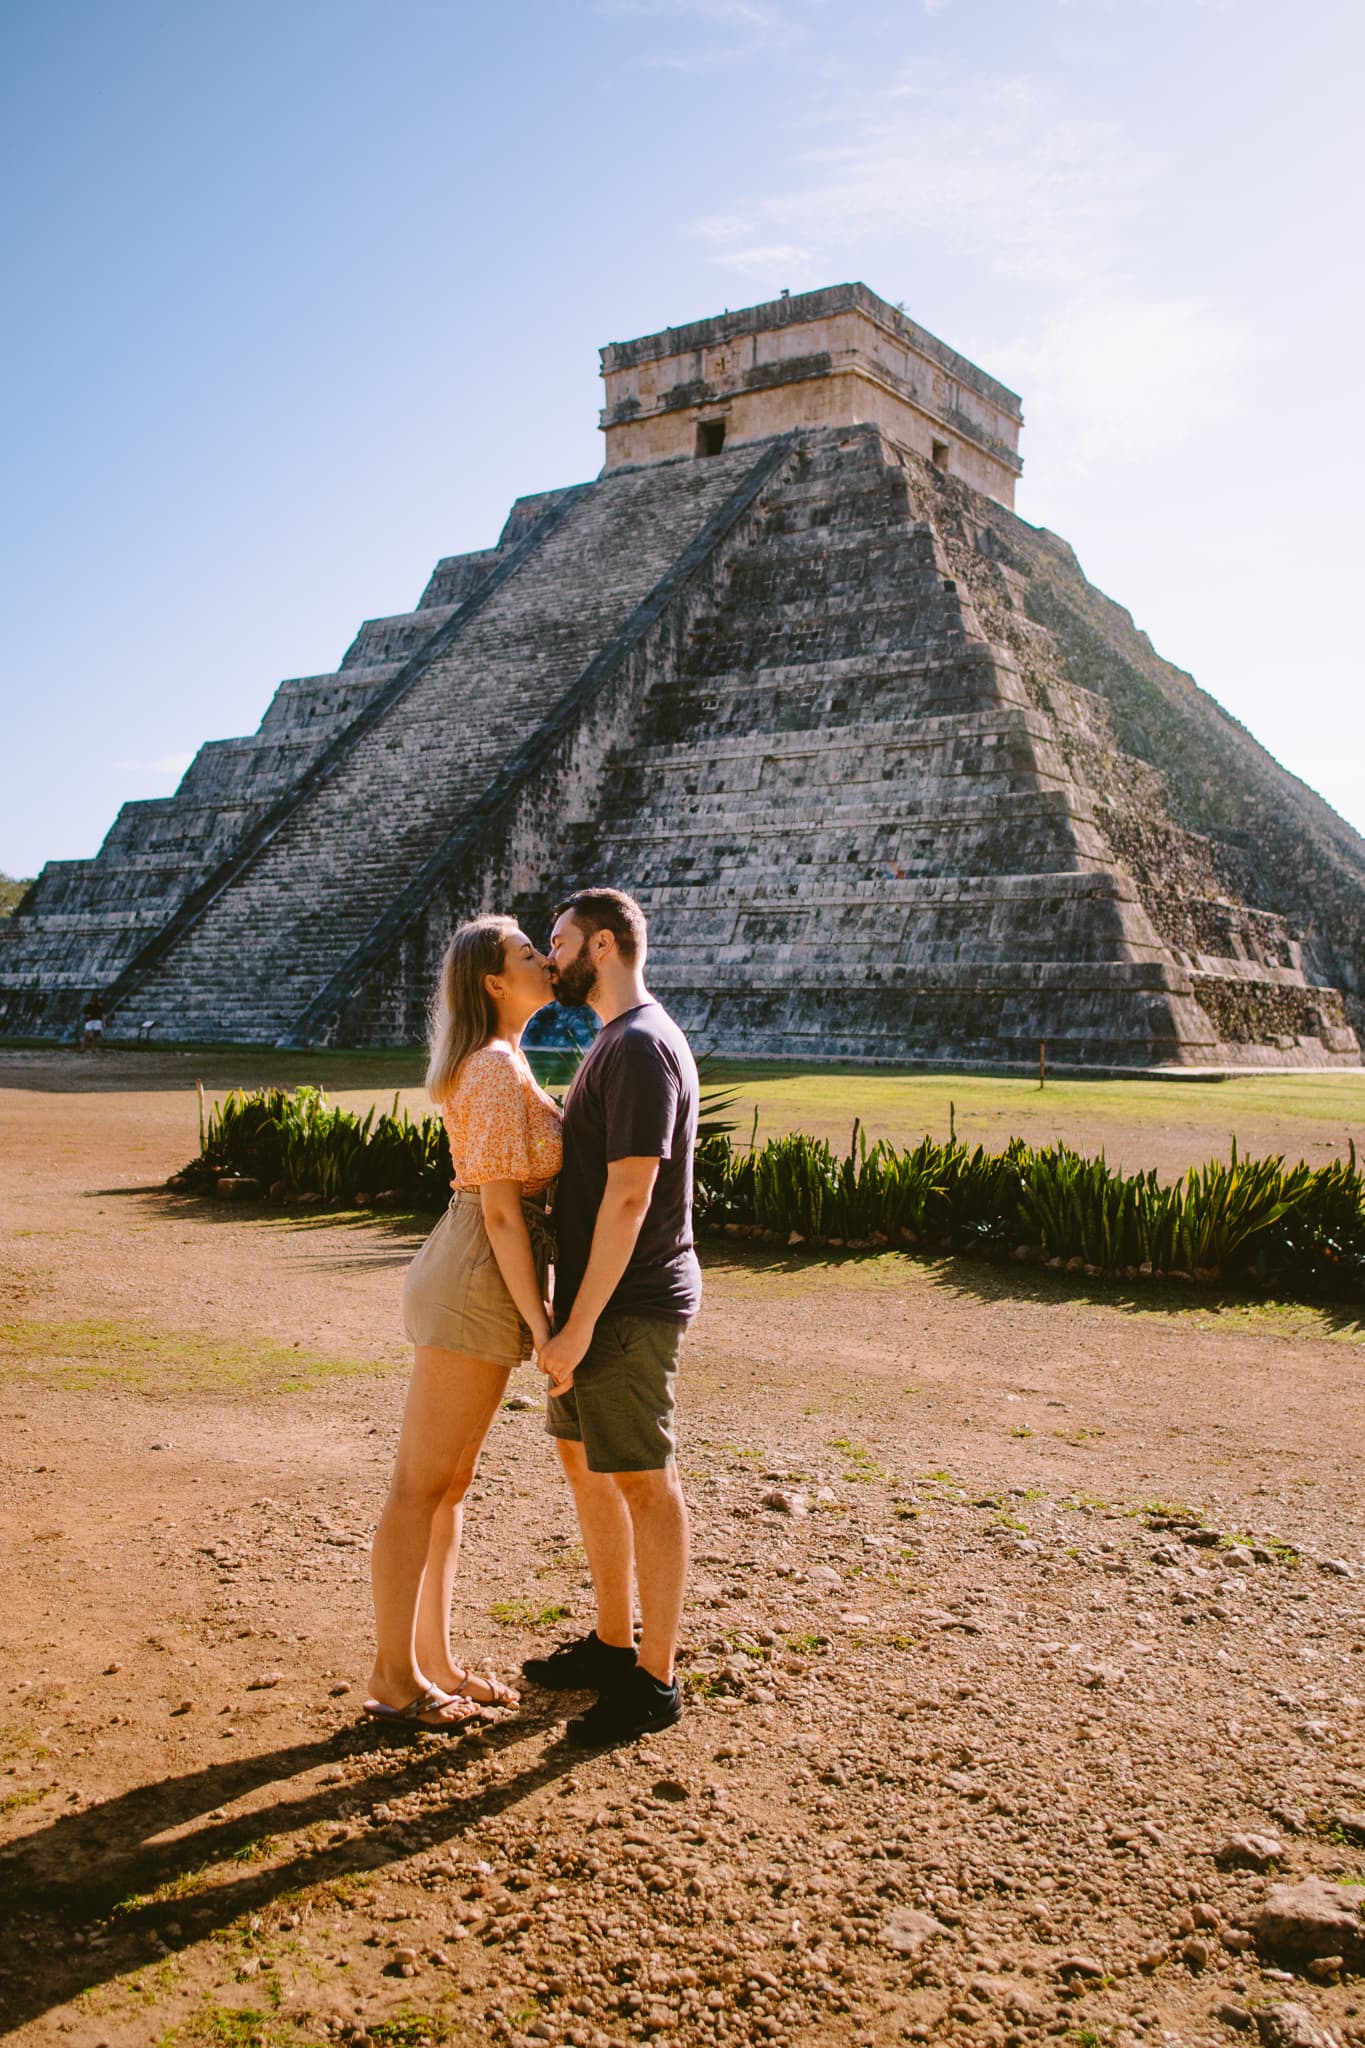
(494, 1694)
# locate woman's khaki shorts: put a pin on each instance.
(455, 1297)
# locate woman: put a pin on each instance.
(473, 1305)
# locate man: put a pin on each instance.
(627, 1284)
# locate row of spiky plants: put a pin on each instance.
(1257, 1222)
(295, 1143)
(1298, 1230)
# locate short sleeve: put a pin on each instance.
(640, 1099)
(496, 1136)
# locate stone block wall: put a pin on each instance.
(890, 779)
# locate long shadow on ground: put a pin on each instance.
(99, 1872)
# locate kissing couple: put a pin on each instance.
(618, 1165)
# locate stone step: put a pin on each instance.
(293, 917)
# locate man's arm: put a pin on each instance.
(630, 1184)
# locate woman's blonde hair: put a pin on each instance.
(463, 1014)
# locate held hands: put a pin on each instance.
(560, 1358)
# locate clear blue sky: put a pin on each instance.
(302, 293)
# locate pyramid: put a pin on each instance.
(890, 778)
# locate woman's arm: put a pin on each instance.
(511, 1242)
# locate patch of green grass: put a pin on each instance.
(1021, 1429)
(526, 1614)
(738, 1640)
(17, 1742)
(90, 1353)
(861, 1463)
(805, 1645)
(258, 1851)
(411, 2029)
(182, 1887)
(15, 1802)
(906, 1511)
(571, 1557)
(742, 1451)
(1008, 1522)
(700, 1685)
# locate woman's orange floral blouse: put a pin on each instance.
(501, 1124)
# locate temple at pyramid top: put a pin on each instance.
(833, 358)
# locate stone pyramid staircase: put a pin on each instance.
(259, 943)
(891, 780)
(850, 816)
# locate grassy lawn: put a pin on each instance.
(1268, 1112)
(1166, 1124)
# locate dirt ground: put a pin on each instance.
(967, 1727)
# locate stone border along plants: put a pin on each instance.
(1295, 1231)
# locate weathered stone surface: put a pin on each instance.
(1301, 1921)
(890, 778)
(1289, 2026)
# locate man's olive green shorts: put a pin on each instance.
(619, 1405)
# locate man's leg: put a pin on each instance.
(658, 1520)
(605, 1522)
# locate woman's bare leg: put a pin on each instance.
(451, 1402)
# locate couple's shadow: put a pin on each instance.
(109, 1865)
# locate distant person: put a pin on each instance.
(92, 1025)
(627, 1284)
(474, 1306)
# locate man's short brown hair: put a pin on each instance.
(608, 910)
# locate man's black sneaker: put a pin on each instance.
(632, 1706)
(585, 1665)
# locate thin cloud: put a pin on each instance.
(1003, 174)
(1122, 377)
(992, 166)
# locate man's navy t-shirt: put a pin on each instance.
(634, 1097)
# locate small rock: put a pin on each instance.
(908, 1930)
(1339, 1567)
(1234, 2015)
(824, 1575)
(669, 1788)
(781, 1502)
(1288, 2026)
(1301, 1921)
(1352, 1825)
(518, 1402)
(1248, 1852)
(338, 1692)
(1197, 1951)
(1325, 1969)
(110, 1669)
(266, 1682)
(1079, 1966)
(1237, 1940)
(1239, 1557)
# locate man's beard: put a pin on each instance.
(576, 982)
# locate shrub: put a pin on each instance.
(1297, 1230)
